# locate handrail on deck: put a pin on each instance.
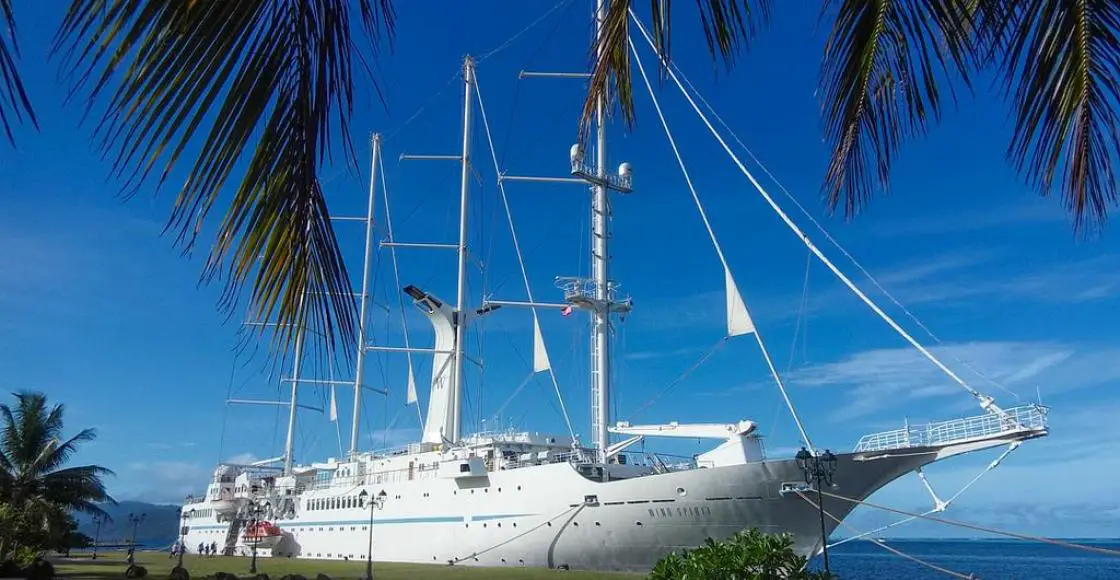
(1024, 419)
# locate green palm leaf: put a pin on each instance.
(257, 88)
(1060, 61)
(14, 104)
(728, 25)
(34, 454)
(884, 67)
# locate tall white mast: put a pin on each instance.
(295, 389)
(461, 295)
(600, 236)
(359, 364)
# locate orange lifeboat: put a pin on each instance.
(264, 534)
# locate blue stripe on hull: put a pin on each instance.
(383, 521)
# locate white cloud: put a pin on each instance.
(660, 354)
(164, 481)
(396, 437)
(974, 220)
(878, 379)
(243, 459)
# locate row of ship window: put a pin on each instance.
(334, 503)
(199, 513)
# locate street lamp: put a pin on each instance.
(98, 519)
(376, 502)
(254, 523)
(182, 540)
(135, 520)
(819, 468)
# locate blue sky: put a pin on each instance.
(103, 314)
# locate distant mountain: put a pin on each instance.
(158, 529)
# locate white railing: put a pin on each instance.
(1025, 419)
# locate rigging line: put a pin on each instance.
(397, 281)
(225, 411)
(722, 341)
(517, 249)
(458, 74)
(576, 509)
(531, 25)
(517, 88)
(979, 528)
(712, 235)
(874, 281)
(802, 322)
(497, 414)
(986, 401)
(939, 505)
(891, 549)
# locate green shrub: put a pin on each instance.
(39, 569)
(10, 569)
(749, 555)
(178, 573)
(135, 571)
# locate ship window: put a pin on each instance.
(464, 468)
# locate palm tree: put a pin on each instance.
(271, 81)
(34, 457)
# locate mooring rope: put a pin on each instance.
(979, 528)
(575, 509)
(892, 549)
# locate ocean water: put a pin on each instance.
(987, 559)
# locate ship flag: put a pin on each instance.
(540, 355)
(334, 406)
(738, 319)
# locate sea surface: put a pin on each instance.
(987, 559)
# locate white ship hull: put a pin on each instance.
(541, 516)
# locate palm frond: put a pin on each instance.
(14, 103)
(885, 64)
(259, 84)
(1060, 63)
(728, 26)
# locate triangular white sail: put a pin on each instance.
(540, 355)
(411, 387)
(738, 319)
(334, 406)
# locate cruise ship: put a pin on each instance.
(513, 497)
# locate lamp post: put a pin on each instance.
(254, 521)
(182, 532)
(135, 520)
(98, 519)
(378, 502)
(819, 468)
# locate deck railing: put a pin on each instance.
(1024, 419)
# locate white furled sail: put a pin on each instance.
(334, 406)
(738, 319)
(411, 387)
(540, 355)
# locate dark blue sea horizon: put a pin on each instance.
(989, 559)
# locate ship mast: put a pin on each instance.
(600, 260)
(456, 427)
(359, 363)
(293, 403)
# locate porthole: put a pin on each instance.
(681, 492)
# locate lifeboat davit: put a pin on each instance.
(263, 533)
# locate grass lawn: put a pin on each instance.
(112, 565)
